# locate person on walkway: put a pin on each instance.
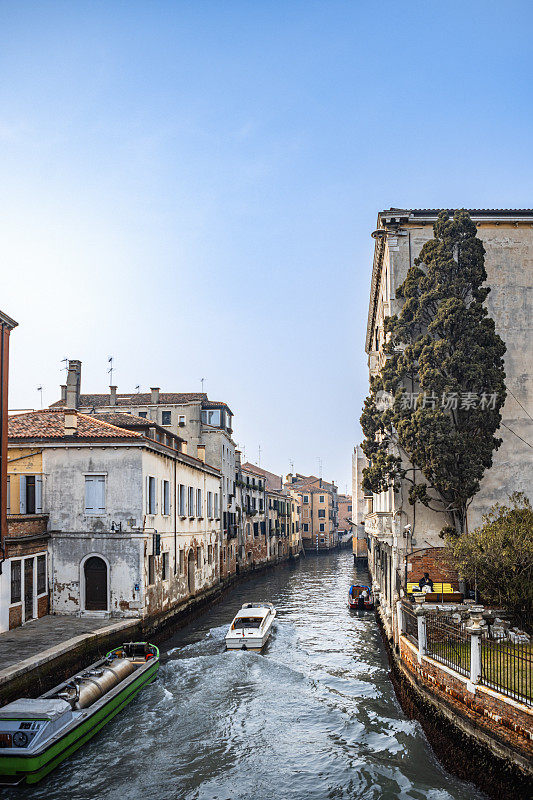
(425, 583)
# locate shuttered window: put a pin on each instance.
(95, 494)
(190, 502)
(166, 498)
(30, 494)
(183, 500)
(151, 495)
(199, 511)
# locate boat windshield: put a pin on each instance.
(247, 622)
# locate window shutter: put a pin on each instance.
(89, 494)
(22, 491)
(8, 495)
(147, 495)
(100, 493)
(156, 495)
(38, 494)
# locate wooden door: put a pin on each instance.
(95, 570)
(28, 589)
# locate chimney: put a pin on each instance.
(113, 395)
(64, 393)
(155, 395)
(71, 422)
(73, 384)
(201, 452)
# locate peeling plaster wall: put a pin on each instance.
(123, 554)
(64, 486)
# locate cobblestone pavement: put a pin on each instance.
(41, 634)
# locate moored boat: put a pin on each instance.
(360, 597)
(38, 734)
(251, 627)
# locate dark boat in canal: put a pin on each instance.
(357, 599)
(38, 734)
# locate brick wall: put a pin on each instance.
(21, 524)
(15, 616)
(43, 605)
(499, 716)
(435, 561)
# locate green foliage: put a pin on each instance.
(499, 554)
(442, 344)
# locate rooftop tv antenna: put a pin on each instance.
(65, 362)
(319, 467)
(138, 388)
(291, 465)
(110, 370)
(40, 389)
(202, 382)
(259, 460)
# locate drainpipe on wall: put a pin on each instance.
(6, 326)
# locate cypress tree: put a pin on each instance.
(444, 372)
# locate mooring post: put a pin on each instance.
(399, 617)
(475, 628)
(421, 622)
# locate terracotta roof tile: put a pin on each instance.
(50, 424)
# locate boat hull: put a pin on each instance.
(31, 768)
(247, 642)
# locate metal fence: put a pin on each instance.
(447, 641)
(410, 624)
(507, 667)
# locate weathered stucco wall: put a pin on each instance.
(124, 555)
(64, 486)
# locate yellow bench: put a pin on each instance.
(438, 588)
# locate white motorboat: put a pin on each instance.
(251, 627)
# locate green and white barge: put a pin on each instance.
(38, 734)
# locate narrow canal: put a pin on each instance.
(314, 716)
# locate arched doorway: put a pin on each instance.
(190, 571)
(95, 573)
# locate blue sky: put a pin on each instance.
(191, 187)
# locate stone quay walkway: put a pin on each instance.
(31, 646)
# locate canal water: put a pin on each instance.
(314, 716)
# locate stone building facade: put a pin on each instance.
(133, 522)
(318, 508)
(200, 422)
(393, 526)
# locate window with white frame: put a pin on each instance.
(16, 581)
(190, 502)
(166, 417)
(95, 494)
(166, 498)
(305, 527)
(199, 510)
(181, 420)
(322, 498)
(322, 527)
(211, 417)
(41, 575)
(306, 498)
(183, 500)
(210, 505)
